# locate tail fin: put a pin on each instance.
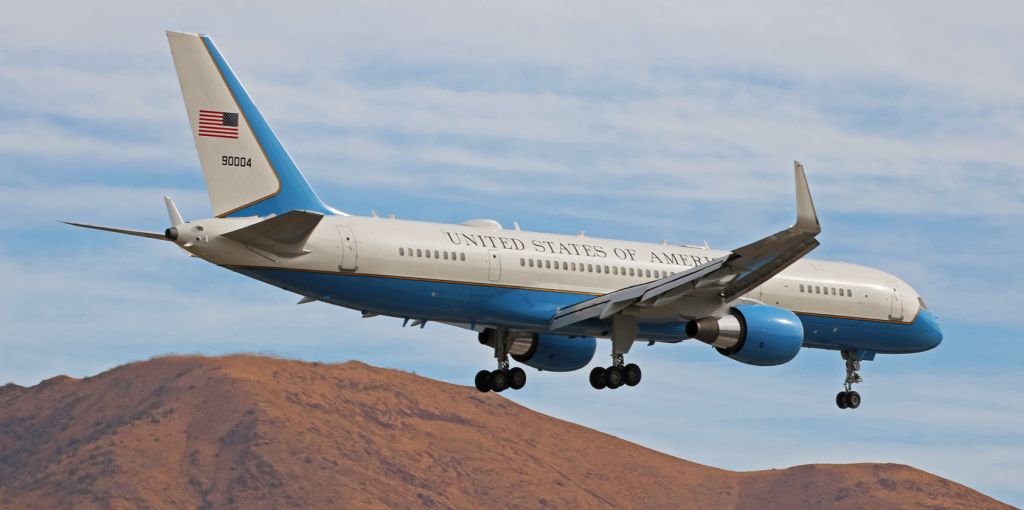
(248, 172)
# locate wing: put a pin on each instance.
(726, 277)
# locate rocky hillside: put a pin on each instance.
(256, 432)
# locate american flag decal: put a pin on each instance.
(218, 124)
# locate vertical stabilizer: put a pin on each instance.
(247, 170)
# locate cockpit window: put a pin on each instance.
(921, 300)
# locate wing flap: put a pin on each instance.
(607, 305)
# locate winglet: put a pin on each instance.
(806, 217)
(172, 212)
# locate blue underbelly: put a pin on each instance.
(530, 309)
(824, 332)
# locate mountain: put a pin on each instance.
(258, 432)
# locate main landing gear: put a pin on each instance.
(849, 399)
(624, 332)
(500, 380)
(615, 375)
(503, 377)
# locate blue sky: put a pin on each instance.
(672, 120)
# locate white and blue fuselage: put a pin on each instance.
(485, 276)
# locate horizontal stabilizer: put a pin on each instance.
(284, 235)
(137, 233)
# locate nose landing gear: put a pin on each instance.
(849, 399)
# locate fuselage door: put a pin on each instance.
(494, 261)
(895, 303)
(349, 254)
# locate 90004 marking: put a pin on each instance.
(235, 161)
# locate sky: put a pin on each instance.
(666, 120)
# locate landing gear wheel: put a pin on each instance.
(852, 399)
(631, 374)
(613, 377)
(841, 400)
(517, 378)
(499, 380)
(597, 378)
(483, 381)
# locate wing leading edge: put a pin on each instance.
(727, 277)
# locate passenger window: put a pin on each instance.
(801, 287)
(437, 254)
(462, 257)
(547, 264)
(446, 256)
(565, 266)
(606, 270)
(833, 291)
(522, 262)
(648, 272)
(615, 270)
(573, 266)
(531, 262)
(849, 293)
(419, 253)
(817, 289)
(428, 253)
(401, 251)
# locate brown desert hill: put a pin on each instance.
(257, 432)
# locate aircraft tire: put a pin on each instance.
(483, 381)
(499, 380)
(597, 378)
(853, 400)
(517, 378)
(841, 400)
(631, 374)
(613, 377)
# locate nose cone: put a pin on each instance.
(929, 330)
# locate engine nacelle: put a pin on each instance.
(753, 334)
(554, 353)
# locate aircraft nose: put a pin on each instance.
(931, 332)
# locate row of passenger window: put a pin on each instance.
(817, 289)
(437, 254)
(593, 268)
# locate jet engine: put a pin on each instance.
(554, 353)
(753, 334)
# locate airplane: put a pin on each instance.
(540, 299)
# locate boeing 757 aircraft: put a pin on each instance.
(540, 299)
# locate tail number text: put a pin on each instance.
(235, 161)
